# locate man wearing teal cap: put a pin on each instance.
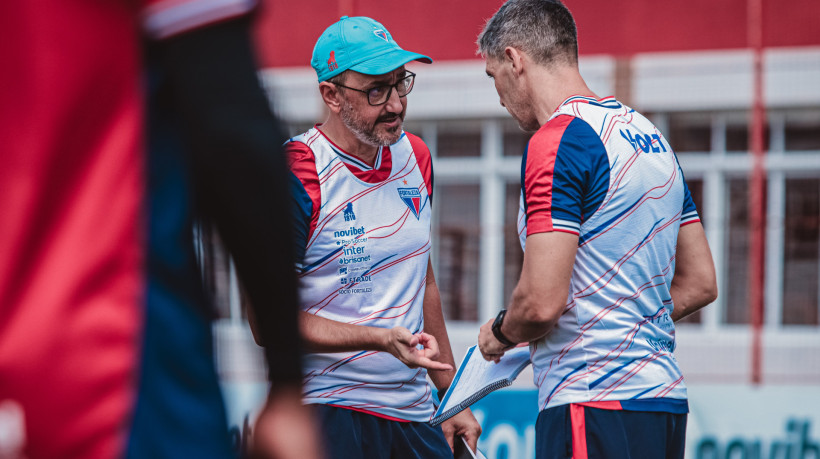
(371, 312)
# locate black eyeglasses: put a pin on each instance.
(379, 95)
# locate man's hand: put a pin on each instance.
(404, 346)
(490, 347)
(464, 425)
(286, 429)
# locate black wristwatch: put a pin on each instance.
(499, 319)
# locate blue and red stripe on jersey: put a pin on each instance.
(559, 191)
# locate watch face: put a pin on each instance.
(499, 319)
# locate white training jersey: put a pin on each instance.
(366, 241)
(602, 171)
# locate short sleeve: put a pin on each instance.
(305, 194)
(424, 160)
(565, 176)
(690, 212)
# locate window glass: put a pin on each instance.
(458, 232)
(459, 139)
(689, 132)
(737, 132)
(513, 255)
(803, 130)
(737, 274)
(515, 140)
(801, 249)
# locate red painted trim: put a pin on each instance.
(579, 431)
(287, 31)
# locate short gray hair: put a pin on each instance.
(544, 29)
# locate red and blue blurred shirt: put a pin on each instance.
(86, 253)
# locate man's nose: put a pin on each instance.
(393, 103)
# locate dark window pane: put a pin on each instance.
(801, 248)
(737, 137)
(737, 134)
(689, 132)
(803, 137)
(737, 275)
(515, 140)
(458, 250)
(459, 139)
(803, 130)
(513, 255)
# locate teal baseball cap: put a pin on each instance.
(359, 44)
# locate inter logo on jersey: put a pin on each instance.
(412, 198)
(381, 34)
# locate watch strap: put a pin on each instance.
(496, 328)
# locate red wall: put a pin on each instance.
(447, 29)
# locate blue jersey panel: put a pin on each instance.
(581, 175)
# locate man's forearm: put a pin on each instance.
(540, 296)
(694, 284)
(529, 318)
(324, 335)
(688, 300)
(434, 324)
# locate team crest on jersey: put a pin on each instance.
(412, 198)
(381, 34)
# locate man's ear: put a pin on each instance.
(515, 58)
(331, 96)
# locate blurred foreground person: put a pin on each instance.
(614, 251)
(105, 332)
(371, 312)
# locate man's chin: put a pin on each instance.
(391, 135)
(528, 125)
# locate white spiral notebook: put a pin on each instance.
(477, 377)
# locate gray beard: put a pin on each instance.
(366, 133)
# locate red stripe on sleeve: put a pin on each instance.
(424, 159)
(303, 165)
(539, 172)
